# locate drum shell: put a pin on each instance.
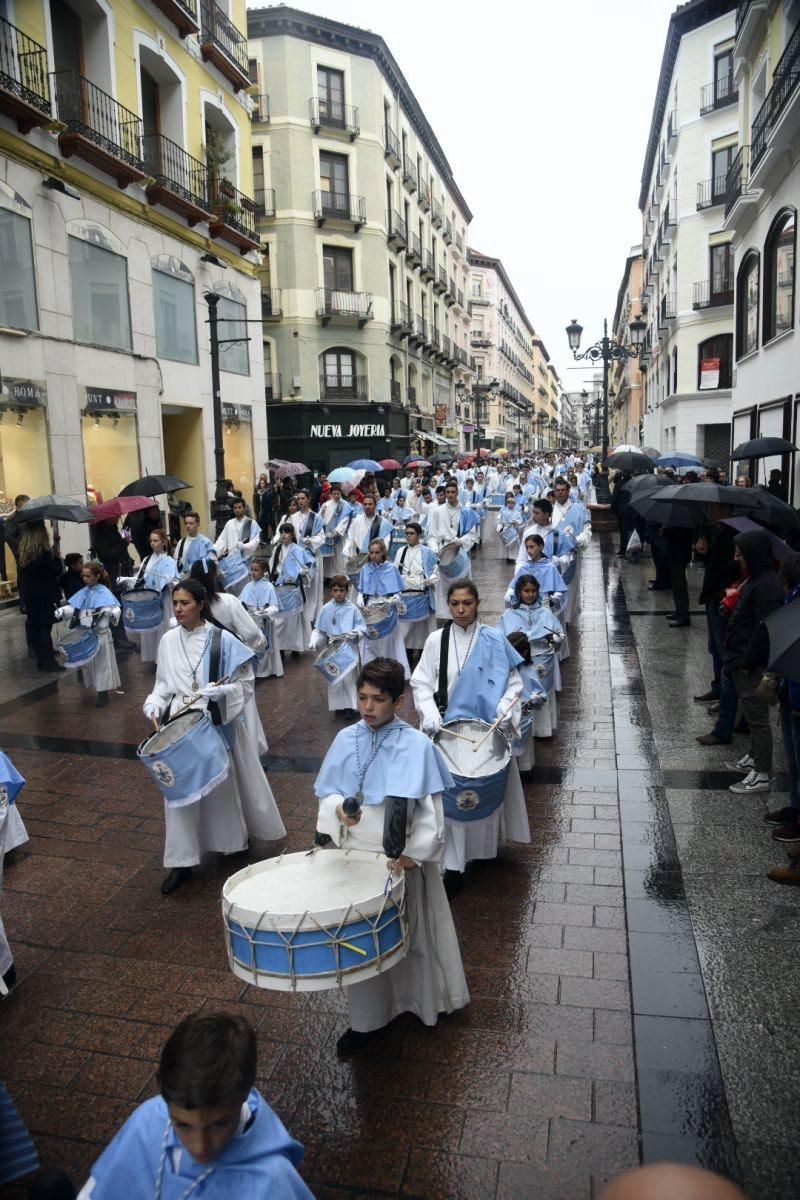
(352, 567)
(474, 796)
(545, 663)
(193, 765)
(327, 549)
(336, 661)
(453, 565)
(497, 500)
(142, 609)
(418, 606)
(290, 597)
(378, 618)
(311, 951)
(509, 533)
(233, 568)
(78, 647)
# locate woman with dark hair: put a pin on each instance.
(157, 572)
(264, 506)
(40, 592)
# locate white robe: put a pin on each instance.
(443, 525)
(333, 564)
(391, 646)
(314, 590)
(16, 833)
(243, 804)
(415, 633)
(342, 693)
(6, 958)
(290, 627)
(229, 540)
(231, 613)
(430, 979)
(101, 673)
(469, 840)
(359, 529)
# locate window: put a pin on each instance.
(723, 76)
(720, 262)
(747, 282)
(674, 369)
(330, 93)
(779, 275)
(252, 70)
(176, 333)
(335, 184)
(720, 164)
(17, 280)
(337, 264)
(475, 289)
(258, 171)
(714, 362)
(340, 373)
(100, 309)
(233, 357)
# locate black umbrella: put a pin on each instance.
(154, 485)
(53, 508)
(713, 493)
(641, 485)
(770, 509)
(762, 447)
(630, 460)
(783, 627)
(661, 509)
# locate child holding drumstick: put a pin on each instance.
(340, 618)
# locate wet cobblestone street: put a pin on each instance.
(600, 995)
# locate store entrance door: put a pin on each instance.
(183, 456)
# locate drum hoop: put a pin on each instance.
(185, 717)
(71, 636)
(146, 594)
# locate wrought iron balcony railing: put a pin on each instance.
(718, 94)
(182, 13)
(180, 181)
(737, 177)
(344, 305)
(424, 195)
(785, 80)
(667, 308)
(447, 232)
(339, 206)
(713, 293)
(333, 114)
(343, 387)
(440, 282)
(402, 322)
(413, 251)
(98, 128)
(710, 192)
(409, 174)
(222, 44)
(396, 232)
(436, 214)
(24, 85)
(265, 202)
(234, 218)
(428, 271)
(271, 306)
(391, 147)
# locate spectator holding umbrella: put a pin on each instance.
(264, 498)
(141, 525)
(40, 570)
(786, 821)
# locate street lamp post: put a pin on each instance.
(479, 391)
(606, 351)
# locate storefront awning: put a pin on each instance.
(436, 438)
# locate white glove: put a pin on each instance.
(64, 611)
(272, 611)
(583, 539)
(353, 636)
(87, 620)
(150, 710)
(240, 545)
(217, 691)
(432, 724)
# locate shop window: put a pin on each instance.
(714, 362)
(100, 308)
(234, 356)
(24, 453)
(779, 275)
(176, 332)
(747, 284)
(110, 449)
(17, 280)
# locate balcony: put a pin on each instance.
(713, 293)
(710, 192)
(413, 251)
(234, 219)
(450, 293)
(718, 94)
(749, 18)
(223, 45)
(402, 322)
(672, 129)
(459, 244)
(343, 387)
(409, 174)
(98, 129)
(667, 309)
(182, 13)
(271, 306)
(391, 148)
(424, 195)
(396, 232)
(460, 300)
(344, 307)
(434, 341)
(479, 339)
(179, 181)
(736, 182)
(259, 113)
(339, 206)
(419, 335)
(428, 269)
(777, 123)
(447, 349)
(273, 388)
(24, 86)
(447, 232)
(436, 214)
(669, 221)
(332, 114)
(265, 202)
(440, 282)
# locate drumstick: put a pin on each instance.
(186, 707)
(453, 733)
(489, 733)
(156, 725)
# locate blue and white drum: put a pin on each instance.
(328, 547)
(498, 500)
(453, 561)
(509, 534)
(290, 597)
(78, 647)
(141, 610)
(418, 606)
(187, 758)
(310, 922)
(479, 770)
(338, 659)
(380, 617)
(233, 568)
(397, 540)
(543, 658)
(352, 567)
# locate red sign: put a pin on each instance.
(709, 373)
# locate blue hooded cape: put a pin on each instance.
(97, 596)
(383, 580)
(258, 594)
(335, 619)
(534, 620)
(480, 686)
(407, 764)
(549, 577)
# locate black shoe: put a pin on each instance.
(349, 714)
(706, 696)
(781, 816)
(453, 883)
(295, 654)
(10, 977)
(742, 727)
(679, 622)
(352, 1041)
(176, 877)
(53, 666)
(101, 700)
(790, 832)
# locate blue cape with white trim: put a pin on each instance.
(407, 764)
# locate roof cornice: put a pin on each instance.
(476, 259)
(349, 39)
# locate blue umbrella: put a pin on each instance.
(365, 464)
(679, 460)
(11, 782)
(342, 475)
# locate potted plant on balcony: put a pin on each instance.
(218, 155)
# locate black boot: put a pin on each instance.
(176, 877)
(10, 977)
(101, 700)
(453, 883)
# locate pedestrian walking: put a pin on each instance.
(40, 594)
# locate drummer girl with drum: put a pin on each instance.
(261, 601)
(157, 572)
(288, 568)
(468, 671)
(96, 607)
(340, 620)
(379, 761)
(242, 804)
(509, 525)
(380, 583)
(419, 568)
(540, 625)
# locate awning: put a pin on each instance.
(438, 440)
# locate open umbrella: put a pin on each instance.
(783, 628)
(658, 506)
(640, 485)
(416, 462)
(154, 485)
(391, 464)
(780, 549)
(762, 447)
(365, 464)
(626, 448)
(678, 460)
(342, 475)
(629, 460)
(283, 469)
(650, 451)
(769, 508)
(53, 508)
(711, 493)
(118, 506)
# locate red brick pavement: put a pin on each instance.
(528, 1091)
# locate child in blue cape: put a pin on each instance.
(380, 581)
(534, 695)
(339, 619)
(96, 607)
(209, 1132)
(261, 601)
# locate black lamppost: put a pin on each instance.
(478, 393)
(607, 351)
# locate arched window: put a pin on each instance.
(747, 281)
(779, 274)
(714, 362)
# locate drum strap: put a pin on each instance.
(181, 544)
(214, 658)
(374, 528)
(440, 697)
(247, 529)
(137, 583)
(403, 554)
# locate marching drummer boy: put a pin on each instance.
(209, 1132)
(340, 618)
(380, 762)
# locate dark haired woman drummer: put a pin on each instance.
(242, 804)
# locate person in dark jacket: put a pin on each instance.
(716, 547)
(679, 554)
(786, 821)
(40, 571)
(264, 507)
(72, 579)
(619, 506)
(141, 524)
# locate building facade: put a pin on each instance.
(761, 203)
(689, 269)
(502, 339)
(365, 276)
(125, 195)
(625, 418)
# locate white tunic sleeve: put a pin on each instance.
(425, 678)
(425, 842)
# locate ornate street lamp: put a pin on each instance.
(479, 392)
(606, 351)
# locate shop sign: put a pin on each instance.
(440, 414)
(237, 412)
(347, 431)
(25, 392)
(468, 428)
(709, 373)
(109, 400)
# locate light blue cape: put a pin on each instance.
(407, 764)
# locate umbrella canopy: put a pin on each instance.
(712, 493)
(625, 448)
(365, 464)
(657, 506)
(780, 549)
(650, 451)
(154, 485)
(53, 508)
(391, 464)
(117, 506)
(762, 447)
(342, 475)
(770, 508)
(284, 469)
(630, 460)
(416, 462)
(640, 485)
(679, 460)
(783, 628)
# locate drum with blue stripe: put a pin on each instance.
(418, 606)
(187, 758)
(453, 561)
(290, 597)
(338, 659)
(141, 610)
(498, 500)
(479, 765)
(78, 647)
(381, 618)
(233, 568)
(397, 540)
(509, 533)
(328, 547)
